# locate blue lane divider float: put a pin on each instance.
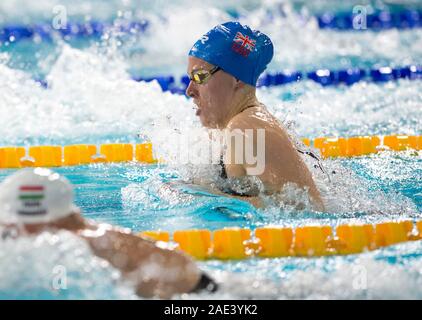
(324, 77)
(378, 20)
(341, 21)
(349, 76)
(14, 33)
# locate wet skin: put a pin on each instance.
(227, 103)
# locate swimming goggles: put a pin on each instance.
(202, 76)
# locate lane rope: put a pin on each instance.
(324, 77)
(82, 154)
(275, 241)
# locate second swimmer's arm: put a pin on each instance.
(156, 271)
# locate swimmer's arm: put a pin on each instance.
(240, 128)
(256, 201)
(240, 170)
(156, 271)
(235, 171)
(273, 168)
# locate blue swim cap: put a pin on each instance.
(236, 49)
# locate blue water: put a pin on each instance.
(91, 99)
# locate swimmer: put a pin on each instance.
(223, 67)
(36, 200)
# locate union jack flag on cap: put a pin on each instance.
(244, 41)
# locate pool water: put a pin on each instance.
(92, 99)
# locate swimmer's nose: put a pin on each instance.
(191, 90)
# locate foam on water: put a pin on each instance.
(374, 275)
(392, 273)
(363, 109)
(88, 90)
(299, 43)
(56, 266)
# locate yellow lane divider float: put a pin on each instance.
(56, 156)
(359, 146)
(273, 242)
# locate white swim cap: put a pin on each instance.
(35, 196)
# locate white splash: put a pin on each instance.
(56, 266)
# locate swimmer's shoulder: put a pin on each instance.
(255, 117)
(258, 117)
(250, 118)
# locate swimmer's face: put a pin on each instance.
(213, 98)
